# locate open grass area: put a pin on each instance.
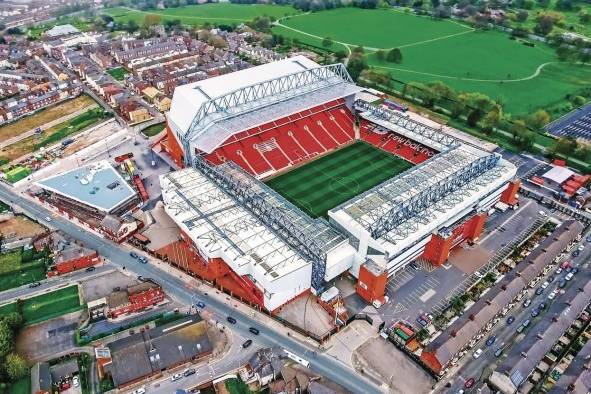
(22, 386)
(522, 77)
(44, 116)
(46, 306)
(54, 134)
(335, 178)
(153, 130)
(195, 15)
(18, 268)
(118, 73)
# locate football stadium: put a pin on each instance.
(291, 176)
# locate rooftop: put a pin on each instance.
(97, 185)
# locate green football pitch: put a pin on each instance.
(337, 177)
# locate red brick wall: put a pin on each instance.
(369, 286)
(174, 148)
(76, 264)
(508, 195)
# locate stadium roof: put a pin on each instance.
(208, 112)
(97, 185)
(215, 222)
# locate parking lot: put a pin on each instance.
(424, 289)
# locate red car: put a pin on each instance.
(565, 265)
(469, 383)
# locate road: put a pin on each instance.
(506, 334)
(322, 364)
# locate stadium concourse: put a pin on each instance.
(239, 135)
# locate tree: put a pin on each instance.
(217, 42)
(521, 16)
(381, 55)
(517, 128)
(584, 17)
(132, 26)
(151, 20)
(6, 338)
(16, 367)
(327, 42)
(492, 119)
(394, 56)
(14, 320)
(356, 65)
(538, 119)
(564, 53)
(340, 55)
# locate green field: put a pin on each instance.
(46, 306)
(153, 130)
(14, 272)
(523, 78)
(224, 13)
(118, 73)
(335, 178)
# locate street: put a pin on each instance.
(176, 287)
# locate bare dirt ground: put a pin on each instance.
(44, 116)
(103, 285)
(20, 227)
(469, 259)
(308, 315)
(382, 361)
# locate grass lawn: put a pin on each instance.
(22, 386)
(53, 134)
(14, 272)
(153, 130)
(524, 78)
(46, 306)
(236, 386)
(118, 73)
(335, 178)
(223, 13)
(374, 28)
(44, 116)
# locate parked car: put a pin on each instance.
(90, 269)
(520, 329)
(581, 247)
(588, 239)
(569, 276)
(200, 304)
(526, 303)
(558, 271)
(561, 284)
(545, 284)
(552, 296)
(34, 284)
(539, 291)
(541, 306)
(500, 349)
(575, 271)
(175, 377)
(76, 381)
(565, 264)
(469, 383)
(231, 320)
(510, 320)
(142, 260)
(477, 353)
(551, 278)
(247, 343)
(189, 371)
(47, 219)
(141, 390)
(575, 253)
(254, 330)
(491, 340)
(526, 323)
(421, 321)
(133, 254)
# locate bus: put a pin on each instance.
(297, 358)
(395, 106)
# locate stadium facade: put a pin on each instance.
(232, 132)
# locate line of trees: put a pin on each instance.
(13, 367)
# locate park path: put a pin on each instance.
(532, 76)
(45, 126)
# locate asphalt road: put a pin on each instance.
(173, 285)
